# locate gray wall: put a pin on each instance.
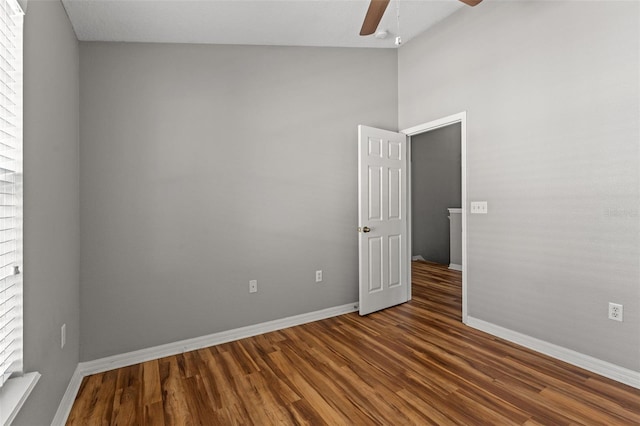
(435, 186)
(551, 91)
(203, 167)
(51, 204)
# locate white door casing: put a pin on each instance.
(382, 219)
(433, 125)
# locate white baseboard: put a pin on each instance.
(148, 354)
(455, 267)
(68, 398)
(612, 371)
(598, 366)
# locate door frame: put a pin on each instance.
(427, 127)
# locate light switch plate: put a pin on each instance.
(479, 207)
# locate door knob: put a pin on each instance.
(364, 229)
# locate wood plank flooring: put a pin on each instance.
(411, 364)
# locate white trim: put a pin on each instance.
(433, 125)
(455, 267)
(598, 366)
(14, 393)
(455, 210)
(148, 354)
(68, 398)
(16, 6)
(409, 244)
(603, 368)
(130, 358)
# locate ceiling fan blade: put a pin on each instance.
(373, 16)
(471, 2)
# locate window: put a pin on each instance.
(13, 392)
(11, 19)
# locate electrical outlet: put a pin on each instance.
(318, 276)
(63, 335)
(615, 311)
(253, 286)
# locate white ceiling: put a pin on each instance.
(257, 22)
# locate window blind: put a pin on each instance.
(11, 20)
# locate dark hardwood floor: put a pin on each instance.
(411, 364)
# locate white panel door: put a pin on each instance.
(382, 219)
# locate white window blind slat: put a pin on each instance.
(6, 92)
(8, 349)
(11, 18)
(5, 235)
(6, 333)
(8, 76)
(6, 323)
(11, 284)
(7, 178)
(7, 269)
(7, 223)
(8, 356)
(7, 137)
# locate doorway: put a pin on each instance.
(436, 196)
(460, 119)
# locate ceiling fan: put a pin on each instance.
(376, 10)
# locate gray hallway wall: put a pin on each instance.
(435, 186)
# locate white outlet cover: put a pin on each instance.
(615, 311)
(253, 286)
(479, 207)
